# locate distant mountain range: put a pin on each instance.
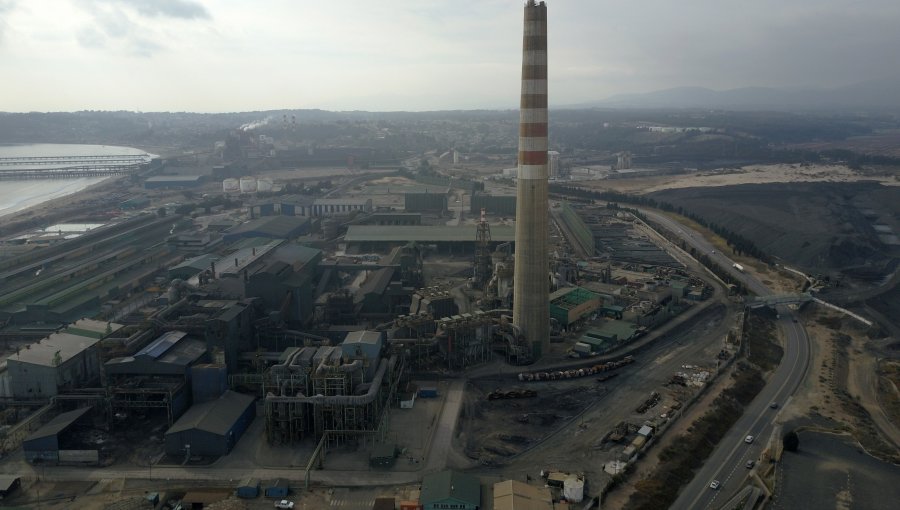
(875, 94)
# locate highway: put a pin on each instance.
(727, 462)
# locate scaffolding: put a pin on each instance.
(149, 393)
(465, 339)
(342, 405)
(483, 263)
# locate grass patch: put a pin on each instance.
(761, 342)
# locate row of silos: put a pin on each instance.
(247, 184)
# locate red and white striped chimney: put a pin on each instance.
(531, 292)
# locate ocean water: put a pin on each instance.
(18, 195)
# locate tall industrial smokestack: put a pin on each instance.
(531, 307)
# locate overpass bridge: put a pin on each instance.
(774, 300)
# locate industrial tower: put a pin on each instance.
(531, 291)
(482, 253)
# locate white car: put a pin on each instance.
(748, 439)
(714, 485)
(284, 504)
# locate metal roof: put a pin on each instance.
(93, 328)
(162, 344)
(342, 201)
(424, 233)
(199, 263)
(376, 283)
(438, 487)
(7, 482)
(216, 416)
(54, 350)
(515, 495)
(174, 178)
(269, 226)
(363, 337)
(58, 424)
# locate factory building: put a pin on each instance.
(432, 202)
(553, 158)
(309, 207)
(390, 218)
(174, 181)
(285, 280)
(55, 442)
(228, 327)
(156, 377)
(270, 227)
(449, 489)
(569, 305)
(382, 295)
(331, 392)
(515, 495)
(192, 267)
(502, 205)
(373, 238)
(211, 428)
(340, 206)
(62, 361)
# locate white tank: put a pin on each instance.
(573, 489)
(264, 184)
(248, 184)
(231, 186)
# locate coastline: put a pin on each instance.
(65, 206)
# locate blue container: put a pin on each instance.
(248, 489)
(428, 392)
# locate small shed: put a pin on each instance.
(248, 488)
(428, 392)
(384, 503)
(383, 455)
(8, 483)
(449, 489)
(278, 489)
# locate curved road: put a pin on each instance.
(727, 462)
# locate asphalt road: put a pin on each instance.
(728, 460)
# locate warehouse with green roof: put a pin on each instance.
(572, 304)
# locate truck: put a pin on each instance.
(738, 267)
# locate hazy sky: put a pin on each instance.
(238, 55)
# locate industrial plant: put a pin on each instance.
(291, 311)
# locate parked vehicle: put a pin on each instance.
(284, 504)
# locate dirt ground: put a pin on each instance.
(753, 174)
(842, 382)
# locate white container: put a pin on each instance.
(231, 186)
(248, 184)
(264, 184)
(573, 489)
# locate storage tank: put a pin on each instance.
(248, 184)
(231, 186)
(573, 489)
(264, 184)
